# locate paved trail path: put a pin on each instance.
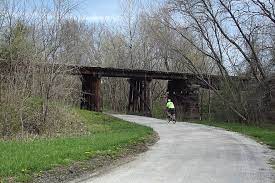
(191, 153)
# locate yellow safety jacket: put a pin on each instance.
(170, 105)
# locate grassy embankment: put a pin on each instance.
(109, 135)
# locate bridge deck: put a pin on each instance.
(131, 73)
(161, 75)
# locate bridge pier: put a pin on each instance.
(91, 99)
(270, 114)
(140, 96)
(185, 97)
(272, 88)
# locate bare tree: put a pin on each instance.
(130, 10)
(33, 76)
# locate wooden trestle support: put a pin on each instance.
(270, 95)
(140, 97)
(185, 97)
(91, 98)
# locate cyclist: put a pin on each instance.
(171, 111)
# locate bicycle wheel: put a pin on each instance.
(174, 119)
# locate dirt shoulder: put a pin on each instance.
(80, 171)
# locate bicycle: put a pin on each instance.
(171, 117)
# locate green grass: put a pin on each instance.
(158, 111)
(272, 162)
(109, 135)
(264, 134)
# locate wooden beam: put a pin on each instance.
(130, 98)
(91, 99)
(147, 97)
(185, 98)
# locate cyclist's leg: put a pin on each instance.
(169, 116)
(174, 116)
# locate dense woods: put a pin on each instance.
(213, 37)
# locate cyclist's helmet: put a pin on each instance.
(169, 100)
